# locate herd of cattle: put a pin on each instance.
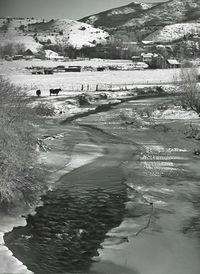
(52, 91)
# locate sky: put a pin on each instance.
(49, 9)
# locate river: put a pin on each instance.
(131, 208)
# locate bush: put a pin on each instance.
(189, 86)
(21, 177)
(44, 110)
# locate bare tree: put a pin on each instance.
(20, 175)
(190, 89)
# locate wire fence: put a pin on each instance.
(114, 87)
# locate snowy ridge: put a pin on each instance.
(174, 11)
(130, 9)
(124, 10)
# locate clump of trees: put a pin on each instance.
(190, 89)
(11, 49)
(21, 177)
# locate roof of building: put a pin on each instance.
(173, 62)
(149, 54)
(148, 42)
(130, 43)
(136, 57)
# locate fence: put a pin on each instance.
(114, 87)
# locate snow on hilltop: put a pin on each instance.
(117, 16)
(152, 19)
(170, 12)
(34, 32)
(130, 8)
(173, 32)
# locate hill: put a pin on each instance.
(116, 17)
(138, 21)
(34, 33)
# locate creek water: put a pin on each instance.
(132, 210)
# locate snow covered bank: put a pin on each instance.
(174, 114)
(8, 263)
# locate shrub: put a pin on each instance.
(20, 175)
(83, 99)
(189, 86)
(44, 110)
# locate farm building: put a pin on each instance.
(28, 52)
(37, 70)
(59, 68)
(17, 57)
(101, 68)
(147, 57)
(48, 70)
(41, 70)
(53, 56)
(136, 58)
(173, 63)
(73, 69)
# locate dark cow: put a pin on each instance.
(38, 92)
(55, 91)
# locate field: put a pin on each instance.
(73, 81)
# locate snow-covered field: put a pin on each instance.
(16, 72)
(105, 80)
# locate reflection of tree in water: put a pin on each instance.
(66, 232)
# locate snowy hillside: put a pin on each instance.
(70, 32)
(117, 16)
(130, 8)
(149, 21)
(11, 32)
(174, 32)
(33, 33)
(173, 11)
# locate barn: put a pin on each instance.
(73, 69)
(173, 63)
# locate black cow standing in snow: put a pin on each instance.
(55, 91)
(38, 92)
